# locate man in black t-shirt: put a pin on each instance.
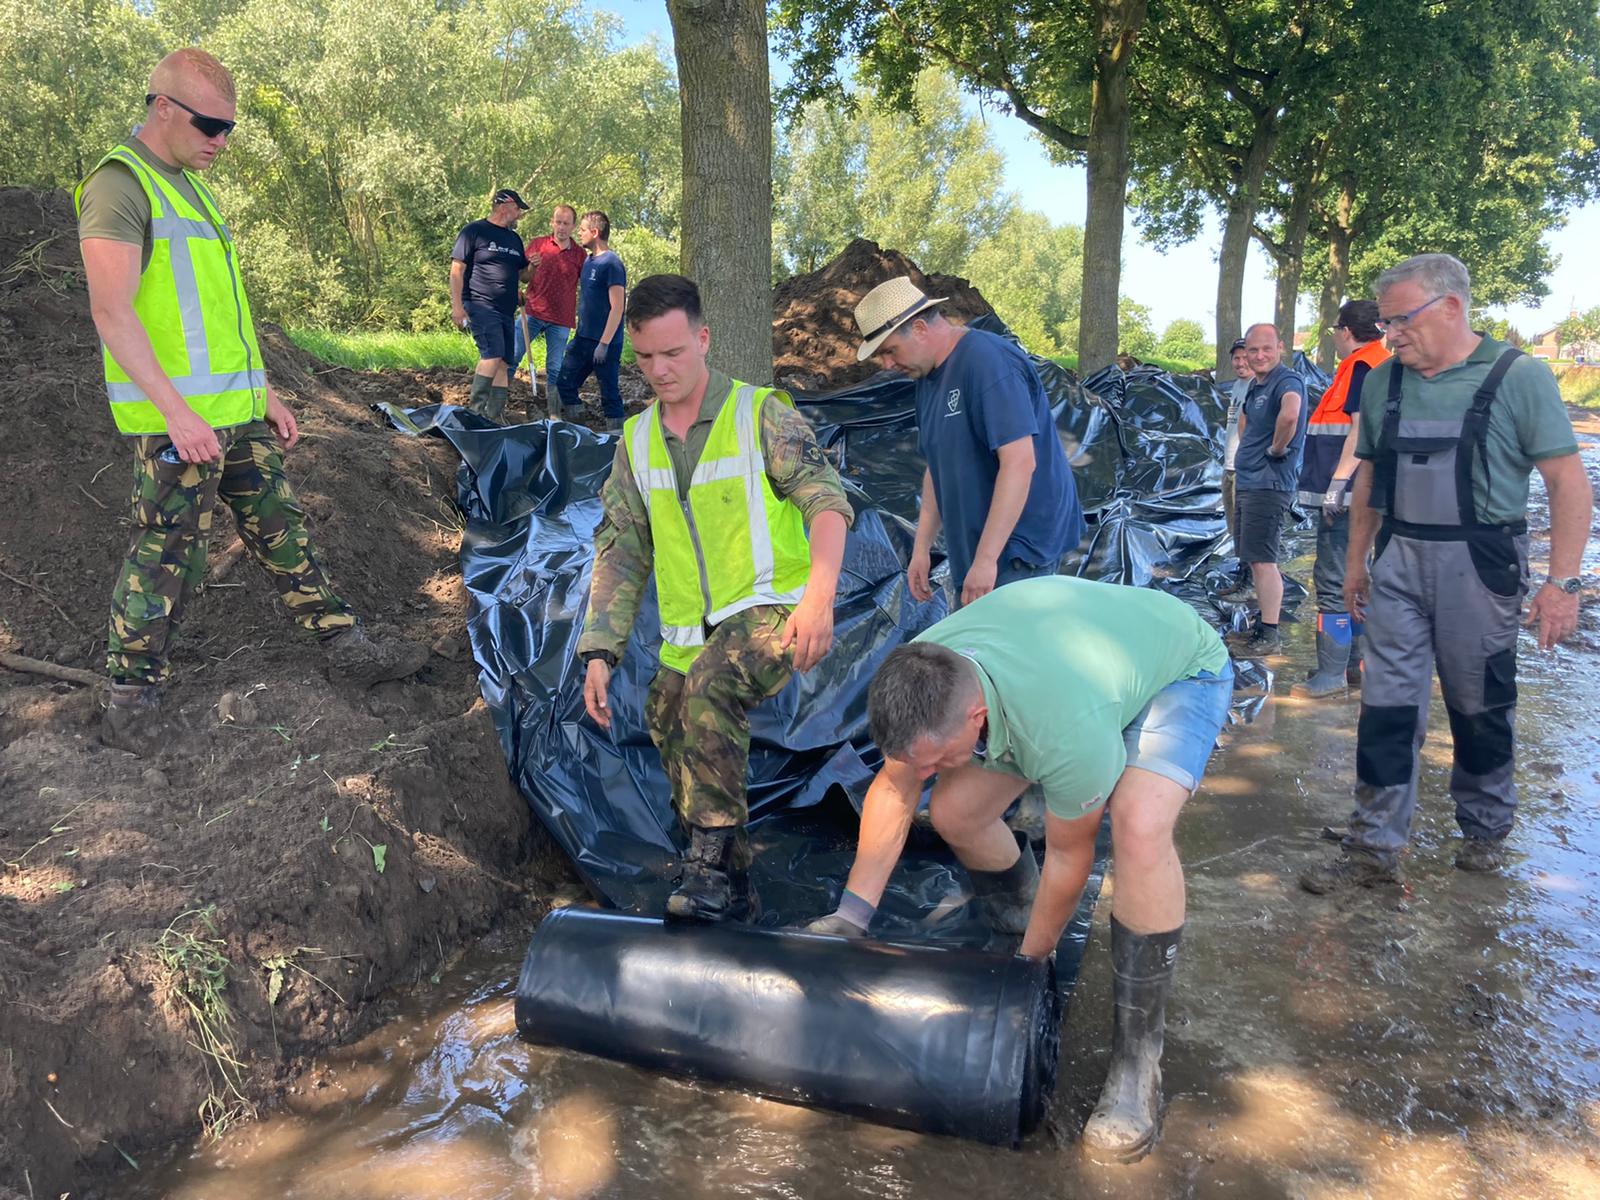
(487, 264)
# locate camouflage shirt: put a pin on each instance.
(623, 552)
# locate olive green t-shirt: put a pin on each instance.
(114, 206)
(1066, 665)
(1527, 421)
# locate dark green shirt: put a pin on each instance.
(1527, 421)
(114, 206)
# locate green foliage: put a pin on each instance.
(1135, 334)
(363, 144)
(1185, 341)
(927, 183)
(1032, 274)
(1581, 328)
(1580, 386)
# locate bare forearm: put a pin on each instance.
(457, 282)
(1061, 883)
(1571, 515)
(885, 820)
(827, 555)
(1010, 496)
(1364, 518)
(928, 520)
(1283, 430)
(614, 317)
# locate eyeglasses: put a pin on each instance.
(208, 126)
(1401, 320)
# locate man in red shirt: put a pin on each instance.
(551, 308)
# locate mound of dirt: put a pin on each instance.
(260, 894)
(814, 335)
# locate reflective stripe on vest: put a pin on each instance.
(758, 553)
(192, 306)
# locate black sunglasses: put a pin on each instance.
(208, 126)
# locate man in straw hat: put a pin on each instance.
(997, 481)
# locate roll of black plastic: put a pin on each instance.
(950, 1041)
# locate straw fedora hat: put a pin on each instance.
(887, 307)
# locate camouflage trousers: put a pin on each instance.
(700, 722)
(172, 503)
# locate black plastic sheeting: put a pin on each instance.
(1146, 453)
(952, 1041)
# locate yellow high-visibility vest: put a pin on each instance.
(734, 543)
(192, 305)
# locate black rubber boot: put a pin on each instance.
(1352, 670)
(710, 887)
(1005, 898)
(1127, 1121)
(478, 398)
(613, 424)
(1328, 679)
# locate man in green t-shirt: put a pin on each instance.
(200, 429)
(1095, 693)
(1451, 429)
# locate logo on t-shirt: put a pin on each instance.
(953, 402)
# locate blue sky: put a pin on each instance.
(1183, 282)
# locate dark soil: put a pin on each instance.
(261, 842)
(814, 334)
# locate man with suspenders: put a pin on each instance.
(1453, 426)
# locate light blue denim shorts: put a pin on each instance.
(1174, 734)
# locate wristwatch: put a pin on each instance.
(1571, 585)
(605, 656)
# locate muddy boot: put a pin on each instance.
(572, 413)
(134, 720)
(353, 657)
(1258, 641)
(1127, 1121)
(478, 396)
(1328, 679)
(710, 887)
(1476, 854)
(1352, 670)
(613, 424)
(1353, 868)
(1005, 898)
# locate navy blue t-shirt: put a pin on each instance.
(1256, 471)
(494, 257)
(984, 395)
(1321, 458)
(600, 274)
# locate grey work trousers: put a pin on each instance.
(1430, 606)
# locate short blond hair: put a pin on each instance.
(189, 65)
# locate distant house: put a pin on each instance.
(1547, 344)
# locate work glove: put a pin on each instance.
(601, 349)
(836, 926)
(1336, 501)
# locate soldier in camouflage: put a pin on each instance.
(195, 438)
(699, 718)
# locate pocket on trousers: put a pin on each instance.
(1500, 677)
(1498, 565)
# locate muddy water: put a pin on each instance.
(1437, 1042)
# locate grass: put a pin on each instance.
(197, 972)
(1580, 386)
(379, 350)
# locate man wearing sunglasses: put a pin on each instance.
(1451, 429)
(187, 385)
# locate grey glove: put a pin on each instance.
(836, 926)
(1336, 501)
(601, 349)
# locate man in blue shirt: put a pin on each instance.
(596, 346)
(997, 480)
(485, 269)
(1272, 433)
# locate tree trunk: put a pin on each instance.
(1236, 229)
(1338, 270)
(1107, 158)
(721, 48)
(1291, 261)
